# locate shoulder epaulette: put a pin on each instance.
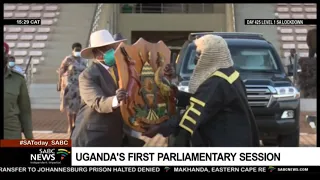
(233, 77)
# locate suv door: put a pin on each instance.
(180, 57)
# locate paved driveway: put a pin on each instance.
(51, 124)
(306, 140)
(55, 121)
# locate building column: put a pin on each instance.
(230, 20)
(103, 21)
(108, 19)
(114, 13)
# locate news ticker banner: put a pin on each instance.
(163, 169)
(60, 153)
(22, 22)
(246, 22)
(280, 22)
(159, 156)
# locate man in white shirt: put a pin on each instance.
(292, 63)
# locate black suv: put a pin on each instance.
(273, 98)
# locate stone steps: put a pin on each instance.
(44, 96)
(308, 105)
(71, 27)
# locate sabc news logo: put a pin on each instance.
(63, 153)
(271, 168)
(49, 155)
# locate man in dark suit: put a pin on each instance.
(99, 122)
(312, 42)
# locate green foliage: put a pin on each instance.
(161, 111)
(141, 112)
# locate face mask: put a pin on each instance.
(11, 64)
(108, 58)
(76, 54)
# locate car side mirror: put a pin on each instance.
(174, 66)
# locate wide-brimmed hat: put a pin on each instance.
(99, 39)
(6, 48)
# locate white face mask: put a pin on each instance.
(11, 64)
(76, 54)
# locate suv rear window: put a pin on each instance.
(246, 58)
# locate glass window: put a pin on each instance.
(253, 59)
(244, 58)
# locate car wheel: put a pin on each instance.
(290, 140)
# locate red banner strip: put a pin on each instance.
(47, 143)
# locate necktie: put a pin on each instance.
(111, 71)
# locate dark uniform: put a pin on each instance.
(17, 108)
(312, 42)
(218, 114)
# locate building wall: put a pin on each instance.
(295, 36)
(257, 11)
(179, 8)
(170, 22)
(282, 37)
